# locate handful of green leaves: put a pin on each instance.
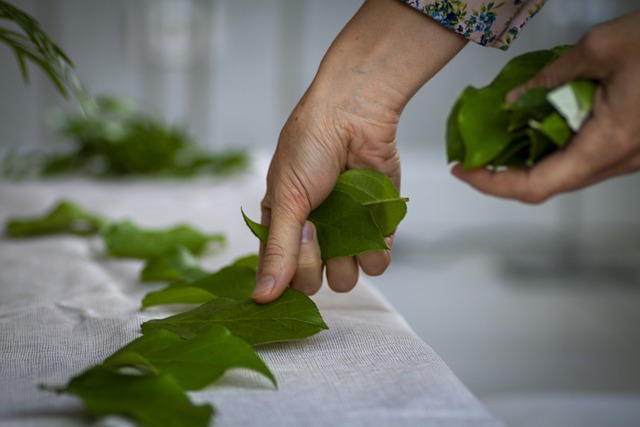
(482, 130)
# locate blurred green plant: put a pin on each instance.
(29, 42)
(118, 140)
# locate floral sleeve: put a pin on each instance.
(489, 23)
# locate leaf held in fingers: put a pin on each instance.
(292, 316)
(377, 193)
(125, 239)
(196, 362)
(362, 209)
(64, 217)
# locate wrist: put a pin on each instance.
(383, 56)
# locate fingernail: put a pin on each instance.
(307, 232)
(264, 286)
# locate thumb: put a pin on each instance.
(574, 65)
(279, 255)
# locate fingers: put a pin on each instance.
(308, 276)
(375, 263)
(342, 273)
(278, 257)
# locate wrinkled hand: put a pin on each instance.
(318, 142)
(608, 144)
(347, 119)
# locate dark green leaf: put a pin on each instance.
(177, 264)
(125, 239)
(65, 217)
(234, 281)
(196, 362)
(377, 193)
(250, 261)
(345, 227)
(292, 316)
(152, 400)
(522, 68)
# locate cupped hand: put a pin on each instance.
(608, 144)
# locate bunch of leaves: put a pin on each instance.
(147, 379)
(29, 42)
(483, 130)
(362, 209)
(118, 140)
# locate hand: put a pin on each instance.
(346, 119)
(608, 144)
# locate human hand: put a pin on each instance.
(608, 144)
(346, 119)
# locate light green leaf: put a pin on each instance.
(555, 128)
(152, 400)
(455, 144)
(176, 293)
(196, 362)
(125, 239)
(292, 316)
(64, 217)
(483, 127)
(177, 264)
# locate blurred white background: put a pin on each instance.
(516, 299)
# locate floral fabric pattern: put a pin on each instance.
(488, 23)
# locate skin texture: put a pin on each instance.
(346, 119)
(608, 144)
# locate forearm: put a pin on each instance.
(383, 56)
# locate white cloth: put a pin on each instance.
(65, 305)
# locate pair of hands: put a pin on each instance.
(349, 116)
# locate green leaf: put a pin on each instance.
(258, 230)
(125, 239)
(177, 293)
(483, 131)
(523, 68)
(152, 400)
(345, 227)
(250, 261)
(455, 144)
(378, 194)
(555, 128)
(64, 217)
(177, 264)
(483, 127)
(364, 207)
(292, 316)
(234, 281)
(196, 362)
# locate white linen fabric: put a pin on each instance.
(65, 305)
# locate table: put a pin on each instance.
(65, 305)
